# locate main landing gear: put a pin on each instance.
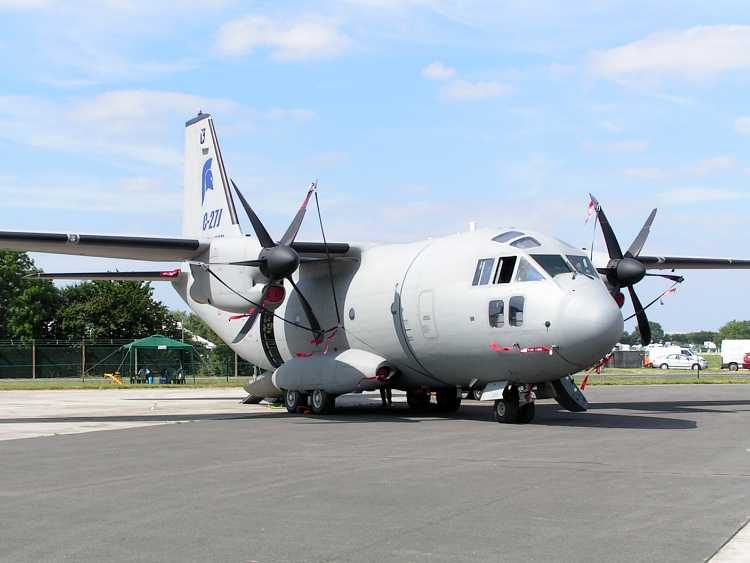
(320, 402)
(516, 406)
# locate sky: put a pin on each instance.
(416, 117)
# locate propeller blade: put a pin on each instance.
(613, 247)
(643, 327)
(291, 232)
(260, 231)
(245, 263)
(676, 279)
(640, 240)
(247, 326)
(252, 317)
(314, 324)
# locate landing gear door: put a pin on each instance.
(427, 315)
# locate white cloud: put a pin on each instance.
(24, 4)
(742, 125)
(438, 71)
(711, 165)
(693, 53)
(137, 126)
(644, 173)
(304, 39)
(700, 195)
(626, 145)
(482, 90)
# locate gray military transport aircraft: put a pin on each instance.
(508, 314)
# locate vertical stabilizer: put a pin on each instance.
(208, 208)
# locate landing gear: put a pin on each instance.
(418, 399)
(293, 400)
(322, 402)
(515, 407)
(448, 400)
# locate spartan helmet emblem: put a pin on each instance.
(207, 180)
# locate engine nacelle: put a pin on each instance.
(338, 373)
(245, 280)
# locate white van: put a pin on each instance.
(732, 353)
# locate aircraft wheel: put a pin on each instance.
(294, 399)
(448, 400)
(506, 410)
(322, 402)
(526, 413)
(418, 399)
(476, 394)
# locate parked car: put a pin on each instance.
(746, 361)
(681, 361)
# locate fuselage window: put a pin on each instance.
(497, 314)
(527, 272)
(506, 236)
(553, 264)
(504, 270)
(526, 242)
(483, 273)
(516, 311)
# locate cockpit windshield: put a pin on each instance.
(583, 265)
(507, 236)
(553, 264)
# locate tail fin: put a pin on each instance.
(208, 208)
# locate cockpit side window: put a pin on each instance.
(515, 307)
(507, 236)
(583, 265)
(497, 314)
(527, 272)
(553, 264)
(483, 273)
(504, 270)
(526, 242)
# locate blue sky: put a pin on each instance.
(416, 116)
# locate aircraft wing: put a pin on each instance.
(687, 263)
(160, 249)
(154, 275)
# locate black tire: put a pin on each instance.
(526, 413)
(695, 367)
(664, 366)
(418, 399)
(293, 400)
(733, 367)
(448, 400)
(476, 394)
(322, 402)
(506, 410)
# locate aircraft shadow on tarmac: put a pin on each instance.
(546, 415)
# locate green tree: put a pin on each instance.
(113, 309)
(657, 333)
(27, 306)
(735, 330)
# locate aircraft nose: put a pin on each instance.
(593, 325)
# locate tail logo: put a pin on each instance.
(207, 182)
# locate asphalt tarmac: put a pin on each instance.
(652, 473)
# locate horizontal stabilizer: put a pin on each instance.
(169, 275)
(160, 249)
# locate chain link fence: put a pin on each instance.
(38, 359)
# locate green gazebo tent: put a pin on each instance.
(158, 351)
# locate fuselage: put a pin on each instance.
(461, 310)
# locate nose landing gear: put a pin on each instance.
(516, 405)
